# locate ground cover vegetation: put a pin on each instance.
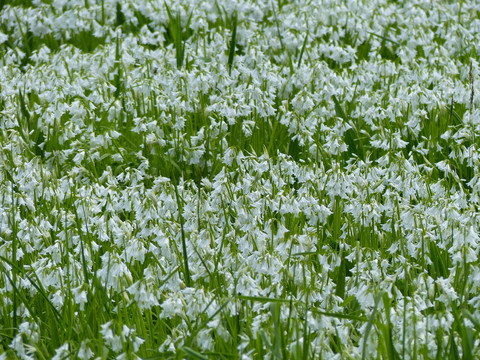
(239, 179)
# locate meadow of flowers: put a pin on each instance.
(259, 179)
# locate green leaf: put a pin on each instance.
(370, 324)
(194, 354)
(233, 43)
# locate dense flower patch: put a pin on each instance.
(239, 179)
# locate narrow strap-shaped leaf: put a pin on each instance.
(233, 43)
(370, 324)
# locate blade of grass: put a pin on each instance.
(262, 299)
(193, 353)
(370, 325)
(324, 313)
(339, 316)
(267, 343)
(387, 330)
(182, 233)
(175, 27)
(299, 62)
(384, 38)
(306, 333)
(338, 109)
(82, 248)
(465, 333)
(120, 17)
(342, 274)
(278, 338)
(233, 43)
(117, 80)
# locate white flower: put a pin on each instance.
(84, 352)
(80, 294)
(62, 352)
(3, 38)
